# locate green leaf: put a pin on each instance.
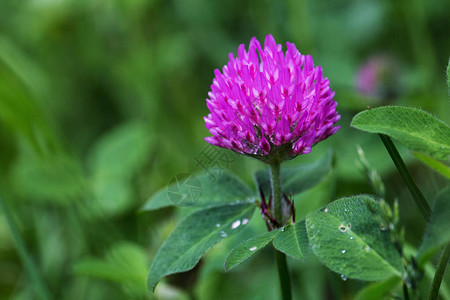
(248, 248)
(416, 129)
(293, 240)
(112, 196)
(121, 152)
(114, 160)
(57, 179)
(347, 236)
(378, 290)
(196, 234)
(21, 84)
(124, 263)
(216, 187)
(297, 179)
(435, 164)
(437, 234)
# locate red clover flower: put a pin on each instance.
(274, 106)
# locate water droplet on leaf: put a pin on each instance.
(343, 277)
(235, 224)
(223, 234)
(245, 221)
(253, 248)
(326, 210)
(343, 251)
(367, 248)
(217, 225)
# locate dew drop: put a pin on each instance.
(391, 226)
(326, 210)
(217, 225)
(367, 248)
(351, 238)
(223, 234)
(382, 227)
(343, 277)
(312, 226)
(253, 248)
(349, 225)
(245, 221)
(346, 210)
(236, 224)
(282, 228)
(342, 228)
(343, 251)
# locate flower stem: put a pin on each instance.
(405, 292)
(417, 195)
(277, 210)
(283, 274)
(436, 284)
(277, 205)
(41, 289)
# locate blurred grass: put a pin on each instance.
(101, 103)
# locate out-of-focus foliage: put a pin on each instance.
(435, 238)
(101, 105)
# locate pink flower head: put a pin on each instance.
(269, 104)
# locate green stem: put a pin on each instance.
(417, 195)
(277, 205)
(283, 274)
(31, 268)
(405, 292)
(436, 284)
(277, 210)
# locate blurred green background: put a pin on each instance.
(101, 104)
